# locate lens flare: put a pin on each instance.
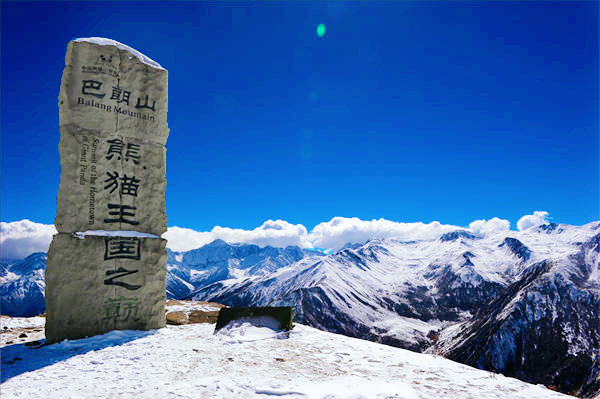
(321, 30)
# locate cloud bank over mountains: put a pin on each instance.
(21, 238)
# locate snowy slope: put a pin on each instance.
(243, 361)
(22, 286)
(546, 326)
(407, 293)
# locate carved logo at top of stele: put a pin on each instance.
(110, 91)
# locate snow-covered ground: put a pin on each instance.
(19, 330)
(9, 323)
(242, 361)
(190, 306)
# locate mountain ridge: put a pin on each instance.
(430, 295)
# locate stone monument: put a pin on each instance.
(113, 124)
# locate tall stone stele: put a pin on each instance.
(113, 125)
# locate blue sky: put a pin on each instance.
(450, 111)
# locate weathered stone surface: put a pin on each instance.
(199, 316)
(111, 92)
(104, 186)
(177, 318)
(192, 312)
(113, 122)
(98, 284)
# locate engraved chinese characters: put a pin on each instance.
(98, 284)
(113, 110)
(109, 90)
(113, 122)
(110, 183)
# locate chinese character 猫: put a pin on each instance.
(145, 105)
(122, 247)
(120, 211)
(92, 85)
(122, 96)
(116, 147)
(129, 185)
(133, 153)
(112, 181)
(120, 272)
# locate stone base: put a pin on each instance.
(98, 284)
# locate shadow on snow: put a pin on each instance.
(18, 359)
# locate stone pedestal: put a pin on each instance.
(97, 284)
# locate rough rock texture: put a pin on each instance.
(96, 181)
(101, 108)
(177, 318)
(113, 123)
(192, 312)
(113, 120)
(199, 316)
(89, 292)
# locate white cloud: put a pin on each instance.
(538, 218)
(276, 233)
(339, 231)
(24, 237)
(180, 239)
(488, 226)
(19, 239)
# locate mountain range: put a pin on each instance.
(525, 304)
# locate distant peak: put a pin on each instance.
(549, 228)
(517, 248)
(454, 235)
(217, 243)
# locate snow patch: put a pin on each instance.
(102, 41)
(113, 233)
(10, 323)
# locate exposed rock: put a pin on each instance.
(177, 318)
(192, 312)
(198, 316)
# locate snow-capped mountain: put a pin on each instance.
(22, 286)
(545, 327)
(526, 303)
(219, 260)
(540, 287)
(22, 282)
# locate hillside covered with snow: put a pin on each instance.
(243, 360)
(526, 303)
(523, 303)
